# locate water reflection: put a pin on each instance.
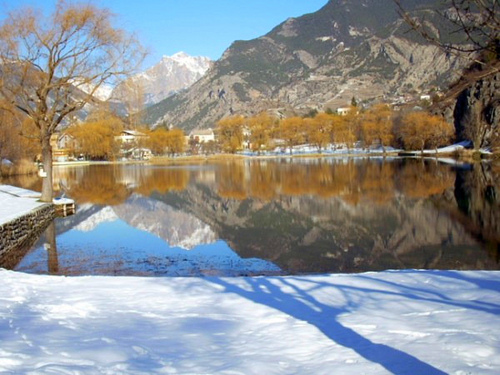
(310, 215)
(51, 247)
(113, 185)
(107, 245)
(350, 179)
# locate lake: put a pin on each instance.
(271, 217)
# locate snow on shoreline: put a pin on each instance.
(401, 322)
(16, 202)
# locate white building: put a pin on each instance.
(130, 136)
(343, 111)
(203, 135)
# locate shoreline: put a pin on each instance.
(461, 156)
(202, 159)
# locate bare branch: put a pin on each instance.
(478, 22)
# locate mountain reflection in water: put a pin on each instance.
(276, 216)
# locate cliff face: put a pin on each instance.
(477, 112)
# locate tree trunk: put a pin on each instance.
(47, 189)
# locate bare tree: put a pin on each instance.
(478, 21)
(45, 60)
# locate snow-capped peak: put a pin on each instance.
(170, 75)
(179, 55)
(196, 64)
(103, 92)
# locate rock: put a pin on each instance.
(477, 112)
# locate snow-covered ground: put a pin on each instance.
(400, 322)
(340, 149)
(16, 202)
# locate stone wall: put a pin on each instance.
(21, 231)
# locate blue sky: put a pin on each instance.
(197, 27)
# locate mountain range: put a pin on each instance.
(361, 49)
(169, 76)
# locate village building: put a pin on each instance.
(63, 146)
(202, 135)
(343, 111)
(131, 136)
(132, 145)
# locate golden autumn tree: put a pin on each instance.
(377, 126)
(291, 131)
(8, 132)
(230, 133)
(175, 141)
(46, 59)
(97, 139)
(351, 130)
(18, 137)
(260, 127)
(420, 130)
(319, 130)
(344, 131)
(157, 141)
(442, 132)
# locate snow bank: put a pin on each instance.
(402, 322)
(16, 202)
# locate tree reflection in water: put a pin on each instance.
(308, 215)
(51, 246)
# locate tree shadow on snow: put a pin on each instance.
(432, 296)
(301, 305)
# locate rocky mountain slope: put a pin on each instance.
(318, 61)
(169, 76)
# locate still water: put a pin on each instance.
(272, 217)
